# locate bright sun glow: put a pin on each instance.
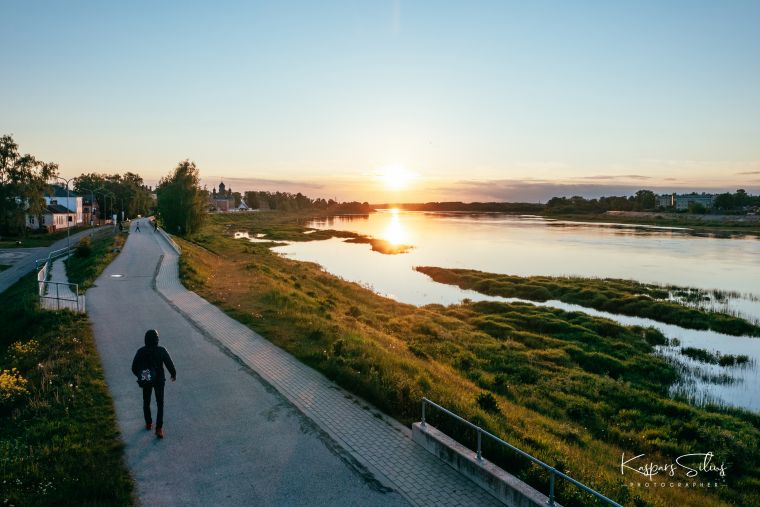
(395, 177)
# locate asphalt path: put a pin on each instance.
(230, 439)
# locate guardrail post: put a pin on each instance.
(423, 413)
(57, 297)
(551, 488)
(480, 453)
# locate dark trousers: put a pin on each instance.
(159, 403)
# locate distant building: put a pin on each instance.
(666, 200)
(68, 199)
(683, 201)
(223, 200)
(64, 209)
(54, 217)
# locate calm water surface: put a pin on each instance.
(534, 246)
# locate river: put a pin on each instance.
(528, 245)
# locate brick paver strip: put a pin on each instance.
(379, 442)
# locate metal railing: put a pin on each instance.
(73, 287)
(552, 471)
(52, 256)
(43, 285)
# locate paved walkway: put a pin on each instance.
(377, 441)
(23, 258)
(231, 439)
(59, 294)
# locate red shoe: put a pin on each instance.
(148, 426)
(159, 433)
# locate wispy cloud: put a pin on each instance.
(541, 190)
(748, 173)
(243, 184)
(614, 177)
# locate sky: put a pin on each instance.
(386, 101)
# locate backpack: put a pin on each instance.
(148, 375)
(147, 378)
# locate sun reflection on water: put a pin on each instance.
(395, 232)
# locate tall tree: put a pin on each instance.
(180, 199)
(23, 182)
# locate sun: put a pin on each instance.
(395, 177)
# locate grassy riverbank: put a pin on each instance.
(626, 297)
(709, 225)
(574, 390)
(59, 443)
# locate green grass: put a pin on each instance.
(37, 239)
(84, 270)
(574, 390)
(625, 297)
(59, 443)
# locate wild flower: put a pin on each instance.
(12, 387)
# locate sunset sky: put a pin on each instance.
(392, 100)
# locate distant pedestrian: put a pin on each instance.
(148, 367)
(155, 226)
(137, 226)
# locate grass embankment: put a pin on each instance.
(574, 390)
(84, 269)
(59, 443)
(625, 297)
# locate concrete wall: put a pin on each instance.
(504, 486)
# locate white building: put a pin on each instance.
(682, 201)
(666, 200)
(54, 217)
(68, 200)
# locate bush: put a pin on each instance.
(487, 401)
(12, 388)
(84, 248)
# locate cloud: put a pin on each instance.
(747, 173)
(614, 177)
(541, 190)
(273, 185)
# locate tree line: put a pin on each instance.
(25, 181)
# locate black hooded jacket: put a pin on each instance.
(154, 357)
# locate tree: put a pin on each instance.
(724, 202)
(180, 199)
(23, 182)
(645, 200)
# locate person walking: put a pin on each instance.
(148, 367)
(137, 226)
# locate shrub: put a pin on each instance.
(84, 248)
(487, 401)
(12, 388)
